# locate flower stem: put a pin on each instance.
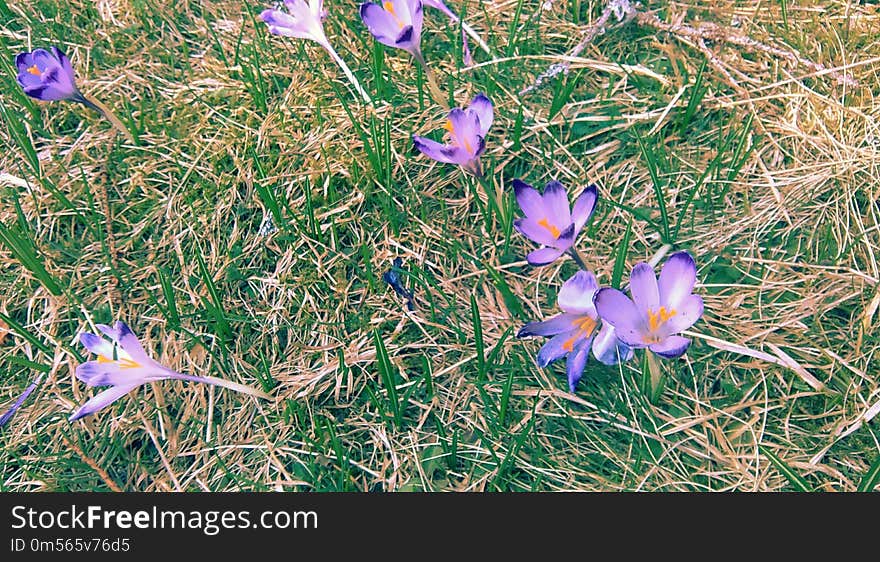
(661, 253)
(348, 73)
(655, 379)
(108, 114)
(436, 92)
(225, 384)
(576, 256)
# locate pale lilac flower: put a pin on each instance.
(303, 20)
(123, 365)
(18, 403)
(657, 312)
(396, 23)
(467, 129)
(549, 221)
(573, 333)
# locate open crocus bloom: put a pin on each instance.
(47, 75)
(467, 129)
(573, 332)
(123, 365)
(396, 23)
(657, 311)
(549, 221)
(301, 20)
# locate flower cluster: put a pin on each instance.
(604, 320)
(394, 23)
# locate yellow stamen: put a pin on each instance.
(389, 7)
(34, 70)
(128, 364)
(546, 224)
(123, 363)
(585, 327)
(657, 319)
(451, 128)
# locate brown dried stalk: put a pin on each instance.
(707, 31)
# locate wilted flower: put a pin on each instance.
(657, 311)
(24, 395)
(467, 129)
(123, 365)
(549, 221)
(396, 23)
(303, 20)
(48, 76)
(573, 333)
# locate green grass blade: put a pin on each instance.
(871, 478)
(215, 305)
(387, 375)
(654, 170)
(793, 477)
(620, 259)
(26, 253)
(479, 344)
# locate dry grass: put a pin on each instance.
(785, 231)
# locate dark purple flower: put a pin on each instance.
(24, 395)
(549, 221)
(573, 333)
(47, 75)
(657, 311)
(467, 129)
(396, 23)
(123, 365)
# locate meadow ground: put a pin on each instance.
(765, 170)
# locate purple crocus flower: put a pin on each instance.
(657, 311)
(396, 23)
(47, 75)
(549, 221)
(573, 333)
(467, 130)
(303, 20)
(123, 365)
(24, 396)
